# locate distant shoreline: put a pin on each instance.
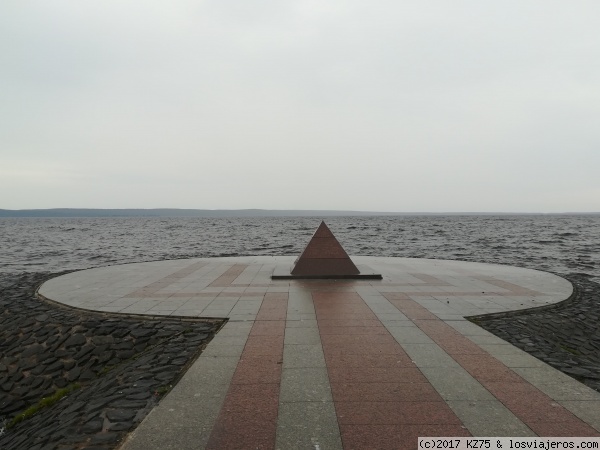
(225, 213)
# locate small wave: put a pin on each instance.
(51, 245)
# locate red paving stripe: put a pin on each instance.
(403, 391)
(514, 289)
(365, 331)
(412, 309)
(167, 281)
(382, 400)
(335, 339)
(229, 276)
(396, 437)
(392, 413)
(258, 370)
(341, 298)
(342, 374)
(352, 323)
(373, 360)
(534, 408)
(274, 307)
(268, 328)
(349, 316)
(248, 418)
(429, 280)
(324, 286)
(249, 424)
(264, 346)
(362, 349)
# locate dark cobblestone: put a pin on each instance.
(565, 336)
(47, 347)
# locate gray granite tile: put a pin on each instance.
(308, 425)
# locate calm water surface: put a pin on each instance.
(560, 244)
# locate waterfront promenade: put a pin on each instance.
(350, 364)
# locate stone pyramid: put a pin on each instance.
(324, 257)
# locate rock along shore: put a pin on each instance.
(83, 379)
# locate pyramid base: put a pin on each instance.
(283, 272)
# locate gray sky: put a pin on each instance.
(366, 105)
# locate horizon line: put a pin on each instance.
(285, 211)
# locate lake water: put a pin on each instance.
(559, 244)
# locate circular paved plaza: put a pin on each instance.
(337, 364)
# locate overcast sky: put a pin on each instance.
(365, 105)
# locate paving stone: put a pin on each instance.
(143, 332)
(76, 339)
(121, 426)
(305, 385)
(488, 418)
(76, 419)
(138, 396)
(125, 354)
(57, 365)
(124, 345)
(120, 415)
(87, 375)
(32, 350)
(102, 340)
(103, 438)
(308, 425)
(303, 356)
(84, 351)
(128, 403)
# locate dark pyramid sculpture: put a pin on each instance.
(324, 256)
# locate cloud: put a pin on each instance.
(382, 105)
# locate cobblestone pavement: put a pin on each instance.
(113, 369)
(565, 336)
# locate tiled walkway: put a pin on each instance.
(343, 364)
